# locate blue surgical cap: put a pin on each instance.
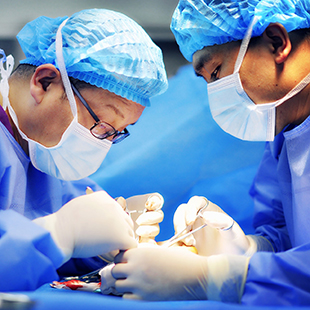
(101, 47)
(200, 23)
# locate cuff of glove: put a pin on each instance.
(258, 244)
(226, 277)
(49, 223)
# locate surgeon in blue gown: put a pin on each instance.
(83, 81)
(254, 56)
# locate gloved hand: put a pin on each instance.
(222, 235)
(145, 211)
(107, 286)
(90, 225)
(158, 273)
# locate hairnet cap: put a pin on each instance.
(102, 47)
(200, 23)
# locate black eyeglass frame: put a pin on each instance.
(118, 136)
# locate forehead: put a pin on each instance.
(104, 96)
(205, 56)
(200, 58)
(211, 53)
(105, 101)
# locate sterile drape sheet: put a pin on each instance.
(50, 299)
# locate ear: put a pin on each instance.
(40, 81)
(277, 37)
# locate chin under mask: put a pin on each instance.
(78, 154)
(236, 113)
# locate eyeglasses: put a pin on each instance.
(102, 130)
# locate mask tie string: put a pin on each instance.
(63, 70)
(244, 45)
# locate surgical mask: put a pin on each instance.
(78, 154)
(236, 113)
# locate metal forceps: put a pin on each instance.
(178, 237)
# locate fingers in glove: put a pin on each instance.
(218, 220)
(194, 205)
(130, 223)
(127, 288)
(122, 202)
(107, 280)
(186, 215)
(180, 225)
(152, 217)
(131, 243)
(124, 284)
(154, 202)
(138, 203)
(179, 220)
(148, 231)
(119, 271)
(189, 241)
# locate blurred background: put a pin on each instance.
(175, 148)
(153, 15)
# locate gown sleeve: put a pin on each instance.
(279, 278)
(269, 220)
(28, 255)
(283, 277)
(32, 257)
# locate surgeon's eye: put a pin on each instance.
(215, 74)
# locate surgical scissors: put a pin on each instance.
(178, 237)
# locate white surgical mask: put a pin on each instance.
(236, 113)
(78, 154)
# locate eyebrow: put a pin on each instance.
(116, 110)
(202, 58)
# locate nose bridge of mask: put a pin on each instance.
(63, 70)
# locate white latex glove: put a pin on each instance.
(158, 273)
(148, 214)
(222, 235)
(90, 225)
(107, 281)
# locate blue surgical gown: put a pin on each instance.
(176, 148)
(281, 191)
(29, 256)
